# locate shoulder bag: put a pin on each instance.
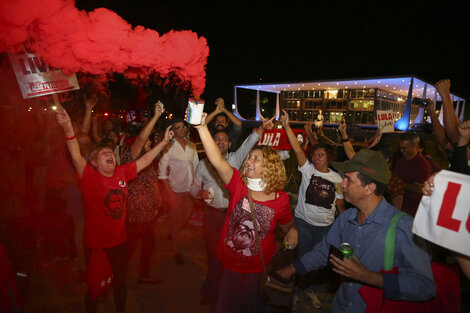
(274, 290)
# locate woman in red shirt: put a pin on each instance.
(105, 190)
(263, 174)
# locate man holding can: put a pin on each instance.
(364, 228)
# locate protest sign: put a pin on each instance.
(277, 138)
(36, 78)
(385, 121)
(443, 218)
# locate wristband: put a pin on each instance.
(71, 138)
(344, 140)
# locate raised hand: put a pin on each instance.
(430, 107)
(443, 86)
(91, 101)
(168, 134)
(284, 118)
(63, 119)
(159, 109)
(268, 124)
(220, 105)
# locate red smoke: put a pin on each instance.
(100, 41)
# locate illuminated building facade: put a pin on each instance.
(358, 99)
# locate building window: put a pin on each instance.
(362, 93)
(317, 93)
(309, 93)
(335, 117)
(291, 104)
(291, 95)
(357, 117)
(293, 115)
(308, 115)
(331, 94)
(342, 94)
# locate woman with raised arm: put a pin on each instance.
(263, 175)
(144, 201)
(104, 190)
(320, 194)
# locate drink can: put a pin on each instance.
(195, 110)
(347, 250)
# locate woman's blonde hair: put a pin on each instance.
(273, 174)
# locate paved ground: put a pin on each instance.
(57, 288)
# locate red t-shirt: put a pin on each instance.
(105, 201)
(237, 248)
(414, 171)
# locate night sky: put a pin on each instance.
(284, 41)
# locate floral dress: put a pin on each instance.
(143, 195)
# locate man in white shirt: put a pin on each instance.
(176, 170)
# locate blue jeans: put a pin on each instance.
(309, 235)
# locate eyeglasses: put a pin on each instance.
(319, 155)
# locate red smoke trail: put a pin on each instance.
(100, 41)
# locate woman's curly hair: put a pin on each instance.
(274, 172)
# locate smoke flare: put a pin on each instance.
(101, 42)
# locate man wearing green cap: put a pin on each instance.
(364, 228)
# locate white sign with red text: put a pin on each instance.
(36, 78)
(444, 217)
(385, 121)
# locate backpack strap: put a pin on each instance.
(390, 242)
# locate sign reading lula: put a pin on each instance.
(36, 78)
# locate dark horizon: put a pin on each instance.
(285, 41)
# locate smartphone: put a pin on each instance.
(420, 102)
(336, 252)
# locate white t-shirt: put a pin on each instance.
(317, 195)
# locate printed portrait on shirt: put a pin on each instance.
(241, 234)
(114, 201)
(320, 192)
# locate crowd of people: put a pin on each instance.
(352, 189)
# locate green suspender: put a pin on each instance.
(390, 242)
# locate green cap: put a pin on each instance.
(368, 162)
